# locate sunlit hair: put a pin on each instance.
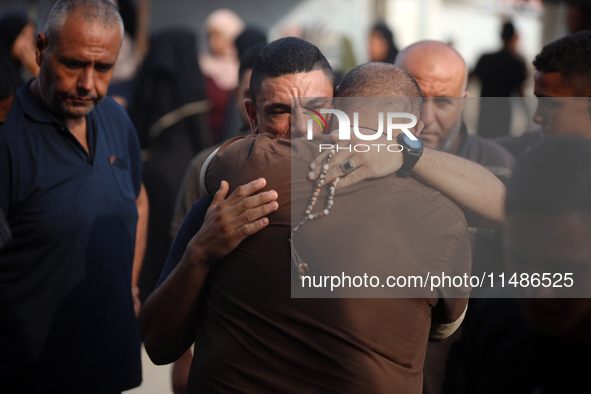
(96, 11)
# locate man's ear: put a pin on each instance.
(40, 48)
(251, 110)
(462, 100)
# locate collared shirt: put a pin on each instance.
(66, 309)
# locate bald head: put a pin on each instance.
(380, 80)
(442, 75)
(383, 87)
(438, 68)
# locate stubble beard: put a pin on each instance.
(446, 144)
(57, 101)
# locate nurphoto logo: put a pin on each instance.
(392, 120)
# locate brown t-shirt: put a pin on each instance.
(254, 337)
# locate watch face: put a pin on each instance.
(412, 144)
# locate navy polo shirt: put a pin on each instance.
(66, 309)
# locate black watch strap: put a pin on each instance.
(411, 153)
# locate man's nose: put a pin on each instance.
(428, 112)
(299, 124)
(86, 79)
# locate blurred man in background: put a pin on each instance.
(501, 74)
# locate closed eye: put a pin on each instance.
(278, 109)
(73, 64)
(103, 67)
(442, 100)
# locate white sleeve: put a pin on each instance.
(204, 170)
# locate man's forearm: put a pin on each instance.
(170, 315)
(477, 191)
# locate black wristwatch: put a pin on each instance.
(412, 151)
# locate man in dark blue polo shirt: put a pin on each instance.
(70, 185)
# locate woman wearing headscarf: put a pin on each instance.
(381, 44)
(17, 45)
(220, 64)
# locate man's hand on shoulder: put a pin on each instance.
(376, 163)
(230, 220)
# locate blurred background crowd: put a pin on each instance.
(179, 70)
(348, 32)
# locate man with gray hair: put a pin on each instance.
(70, 185)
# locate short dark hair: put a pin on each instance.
(571, 57)
(7, 81)
(289, 55)
(554, 177)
